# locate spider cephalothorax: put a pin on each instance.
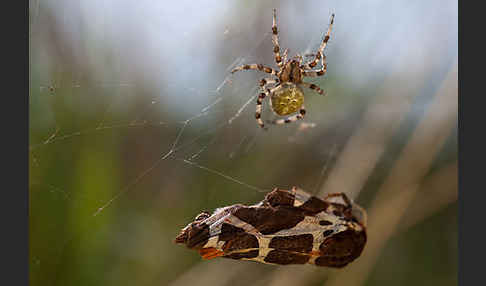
(286, 95)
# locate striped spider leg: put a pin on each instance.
(276, 46)
(255, 67)
(319, 56)
(343, 196)
(292, 118)
(265, 92)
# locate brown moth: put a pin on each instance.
(287, 227)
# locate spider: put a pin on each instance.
(287, 97)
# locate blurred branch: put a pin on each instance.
(293, 275)
(437, 192)
(209, 273)
(400, 187)
(365, 147)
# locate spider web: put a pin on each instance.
(217, 98)
(132, 136)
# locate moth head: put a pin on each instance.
(195, 234)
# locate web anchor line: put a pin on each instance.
(223, 175)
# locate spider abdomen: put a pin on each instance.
(287, 99)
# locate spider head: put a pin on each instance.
(295, 72)
(295, 65)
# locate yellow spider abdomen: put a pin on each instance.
(287, 99)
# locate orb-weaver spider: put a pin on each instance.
(287, 97)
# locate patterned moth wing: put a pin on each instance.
(287, 227)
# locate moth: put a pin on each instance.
(286, 227)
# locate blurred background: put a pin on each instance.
(136, 126)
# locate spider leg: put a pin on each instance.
(258, 112)
(299, 56)
(314, 87)
(255, 67)
(290, 119)
(268, 80)
(345, 198)
(276, 47)
(319, 55)
(311, 73)
(284, 58)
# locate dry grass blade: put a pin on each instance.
(436, 193)
(209, 273)
(402, 184)
(367, 144)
